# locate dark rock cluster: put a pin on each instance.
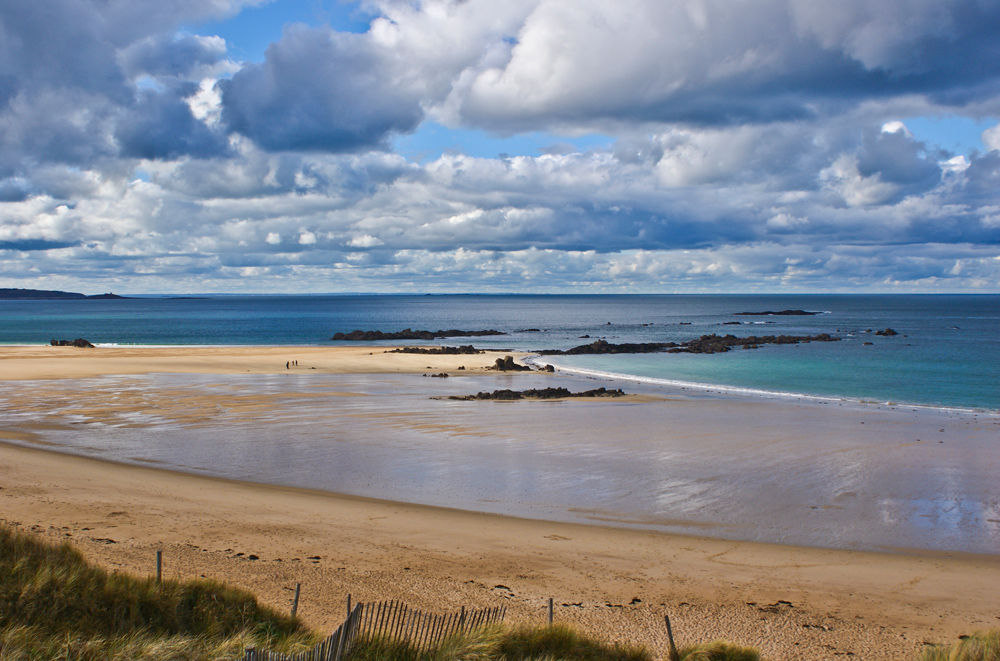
(780, 313)
(507, 364)
(409, 334)
(888, 332)
(704, 344)
(78, 342)
(439, 351)
(542, 393)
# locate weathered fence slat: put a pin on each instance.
(392, 620)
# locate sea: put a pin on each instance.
(871, 442)
(947, 353)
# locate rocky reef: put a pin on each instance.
(439, 351)
(409, 334)
(540, 393)
(507, 364)
(704, 344)
(78, 342)
(779, 313)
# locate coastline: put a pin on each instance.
(743, 391)
(875, 605)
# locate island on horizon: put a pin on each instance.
(50, 295)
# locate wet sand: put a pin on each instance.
(613, 582)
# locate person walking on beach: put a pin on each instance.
(286, 364)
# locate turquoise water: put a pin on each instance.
(947, 353)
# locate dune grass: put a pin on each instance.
(719, 650)
(556, 643)
(499, 643)
(981, 646)
(53, 604)
(564, 643)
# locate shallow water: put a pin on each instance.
(818, 473)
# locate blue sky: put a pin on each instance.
(534, 145)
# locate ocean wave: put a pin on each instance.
(744, 391)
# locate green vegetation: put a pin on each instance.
(564, 643)
(719, 651)
(497, 643)
(981, 646)
(557, 643)
(53, 604)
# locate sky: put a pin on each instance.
(544, 146)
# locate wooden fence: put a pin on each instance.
(393, 621)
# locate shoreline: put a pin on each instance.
(616, 582)
(743, 391)
(393, 431)
(9, 351)
(440, 559)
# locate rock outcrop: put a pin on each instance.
(704, 344)
(779, 313)
(409, 334)
(507, 364)
(439, 351)
(888, 332)
(78, 342)
(542, 393)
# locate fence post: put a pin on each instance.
(550, 611)
(159, 565)
(674, 655)
(295, 602)
(348, 604)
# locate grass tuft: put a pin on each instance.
(53, 604)
(564, 643)
(497, 643)
(981, 646)
(719, 650)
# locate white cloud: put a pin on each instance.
(755, 144)
(856, 189)
(991, 137)
(365, 241)
(206, 103)
(896, 126)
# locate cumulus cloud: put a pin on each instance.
(319, 90)
(68, 73)
(179, 55)
(718, 62)
(752, 146)
(991, 138)
(161, 125)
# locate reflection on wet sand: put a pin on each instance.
(829, 474)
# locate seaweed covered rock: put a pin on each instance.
(538, 393)
(439, 351)
(507, 364)
(409, 334)
(78, 342)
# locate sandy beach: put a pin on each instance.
(791, 602)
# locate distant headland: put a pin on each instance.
(50, 295)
